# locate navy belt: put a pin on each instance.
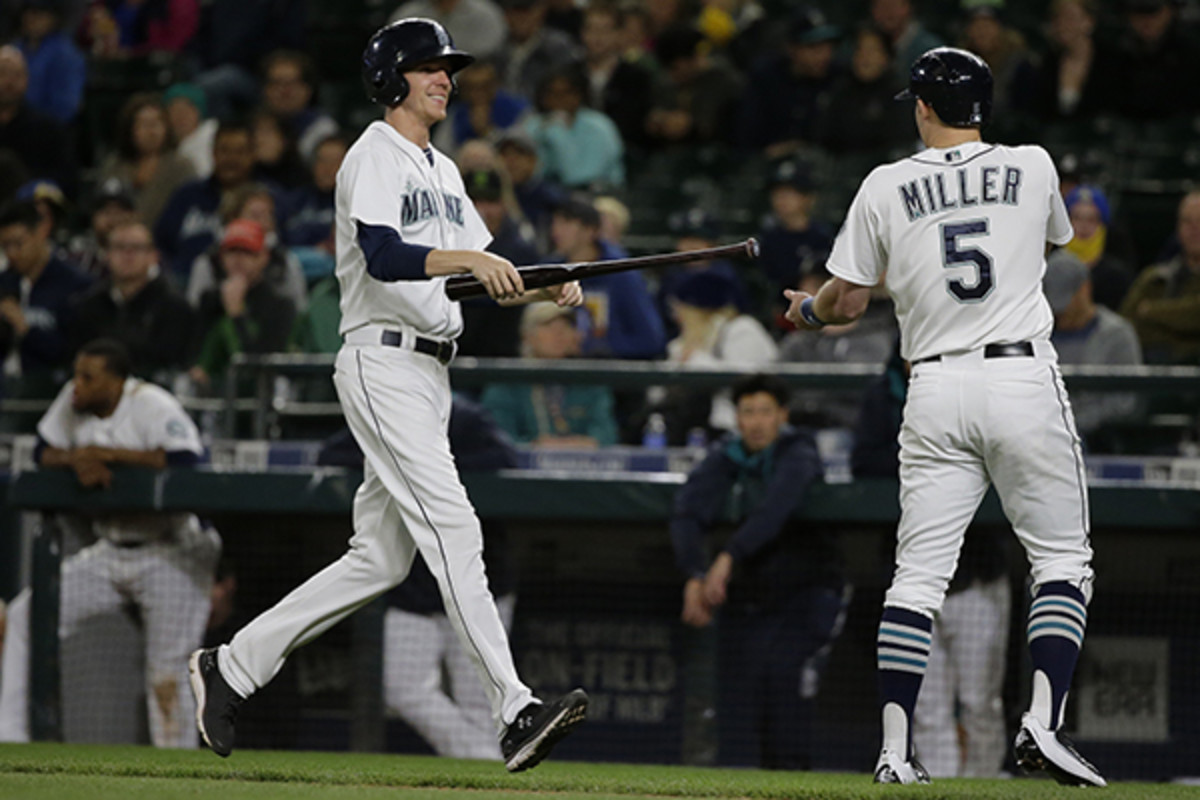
(1011, 350)
(441, 350)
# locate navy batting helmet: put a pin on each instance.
(956, 83)
(400, 46)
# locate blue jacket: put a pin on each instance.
(189, 225)
(623, 320)
(772, 551)
(309, 217)
(57, 74)
(46, 345)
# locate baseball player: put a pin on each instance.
(161, 562)
(403, 223)
(960, 228)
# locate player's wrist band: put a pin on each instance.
(809, 315)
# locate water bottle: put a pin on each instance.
(654, 435)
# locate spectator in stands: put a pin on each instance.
(1085, 333)
(574, 415)
(898, 21)
(132, 28)
(145, 159)
(482, 109)
(861, 114)
(1164, 302)
(986, 33)
(712, 333)
(1091, 218)
(283, 272)
(531, 51)
(578, 147)
(112, 204)
(35, 296)
(276, 160)
(476, 26)
(308, 230)
(289, 90)
(537, 195)
(695, 229)
(51, 204)
(786, 92)
(696, 100)
(1153, 44)
(101, 419)
(791, 240)
(37, 139)
(1067, 86)
(635, 35)
(621, 88)
(622, 320)
(57, 70)
(234, 37)
(191, 222)
(776, 586)
(136, 306)
(490, 329)
(245, 314)
(566, 16)
(192, 130)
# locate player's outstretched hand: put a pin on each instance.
(564, 294)
(795, 298)
(497, 275)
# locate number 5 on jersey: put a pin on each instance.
(954, 254)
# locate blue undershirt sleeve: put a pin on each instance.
(182, 458)
(390, 258)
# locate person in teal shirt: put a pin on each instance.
(578, 147)
(547, 414)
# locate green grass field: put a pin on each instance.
(79, 772)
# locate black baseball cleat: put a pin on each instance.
(1038, 748)
(892, 769)
(217, 703)
(538, 727)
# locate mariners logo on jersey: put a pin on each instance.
(418, 203)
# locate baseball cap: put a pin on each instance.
(536, 314)
(1065, 273)
(795, 174)
(1089, 193)
(677, 43)
(42, 189)
(694, 222)
(706, 289)
(113, 190)
(483, 184)
(243, 234)
(809, 26)
(190, 92)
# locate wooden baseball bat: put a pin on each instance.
(459, 287)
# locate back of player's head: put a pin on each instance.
(956, 83)
(115, 355)
(762, 383)
(400, 47)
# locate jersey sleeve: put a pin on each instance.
(165, 425)
(57, 424)
(1058, 226)
(373, 198)
(857, 255)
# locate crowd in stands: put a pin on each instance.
(195, 222)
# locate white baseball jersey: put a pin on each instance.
(147, 417)
(932, 222)
(387, 180)
(162, 562)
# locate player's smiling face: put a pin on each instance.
(429, 89)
